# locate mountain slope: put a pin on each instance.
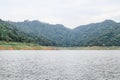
(88, 35)
(56, 33)
(106, 33)
(8, 33)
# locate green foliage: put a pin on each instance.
(9, 33)
(106, 33)
(56, 33)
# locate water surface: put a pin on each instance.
(60, 65)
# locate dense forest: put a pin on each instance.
(9, 33)
(106, 33)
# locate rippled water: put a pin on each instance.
(60, 65)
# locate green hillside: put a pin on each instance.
(10, 33)
(106, 33)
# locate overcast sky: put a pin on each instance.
(70, 13)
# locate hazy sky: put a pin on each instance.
(70, 13)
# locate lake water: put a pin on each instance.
(60, 65)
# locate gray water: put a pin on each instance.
(60, 65)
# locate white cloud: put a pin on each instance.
(71, 13)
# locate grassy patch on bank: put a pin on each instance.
(22, 46)
(31, 46)
(90, 48)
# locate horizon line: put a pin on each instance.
(58, 23)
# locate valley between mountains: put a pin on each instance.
(35, 33)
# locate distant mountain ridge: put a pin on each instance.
(106, 33)
(56, 33)
(9, 32)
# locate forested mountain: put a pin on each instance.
(106, 33)
(56, 33)
(9, 33)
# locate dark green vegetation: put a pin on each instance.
(106, 33)
(10, 33)
(56, 33)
